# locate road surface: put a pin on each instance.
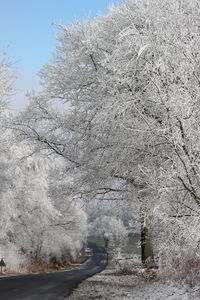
(52, 286)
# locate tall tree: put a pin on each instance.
(128, 83)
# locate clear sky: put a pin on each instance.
(28, 34)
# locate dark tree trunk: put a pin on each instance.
(146, 245)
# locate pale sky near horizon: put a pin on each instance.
(28, 34)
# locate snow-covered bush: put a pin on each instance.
(36, 226)
(176, 244)
(125, 267)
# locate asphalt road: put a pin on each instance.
(52, 286)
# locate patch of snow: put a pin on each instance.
(162, 291)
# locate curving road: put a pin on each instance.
(52, 286)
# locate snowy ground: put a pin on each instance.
(140, 285)
(107, 286)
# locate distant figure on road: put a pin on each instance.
(106, 239)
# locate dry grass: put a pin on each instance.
(42, 267)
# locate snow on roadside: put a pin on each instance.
(106, 286)
(159, 291)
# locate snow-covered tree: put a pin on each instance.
(39, 223)
(129, 86)
(111, 229)
(7, 208)
(6, 77)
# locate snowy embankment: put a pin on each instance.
(107, 286)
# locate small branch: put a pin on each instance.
(95, 66)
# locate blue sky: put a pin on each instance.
(28, 34)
